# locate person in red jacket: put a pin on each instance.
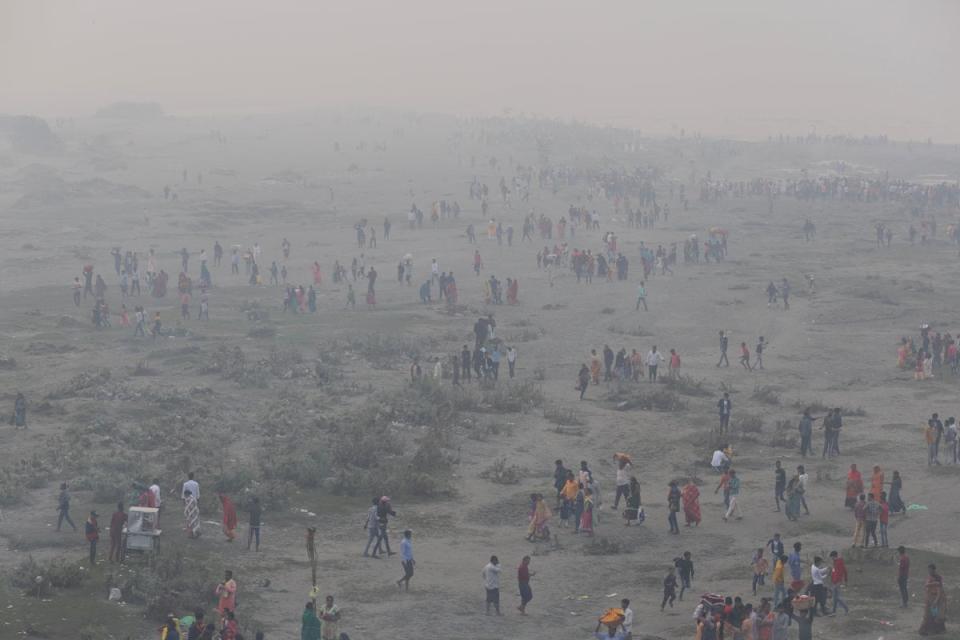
(838, 580)
(116, 528)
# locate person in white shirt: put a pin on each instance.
(802, 477)
(623, 478)
(435, 270)
(511, 359)
(627, 623)
(192, 486)
(817, 576)
(653, 359)
(720, 461)
(491, 582)
(155, 490)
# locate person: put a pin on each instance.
(654, 358)
(806, 433)
(559, 478)
(491, 583)
(309, 623)
(92, 532)
(538, 529)
(641, 297)
(230, 629)
(171, 630)
(724, 342)
(759, 565)
(804, 624)
(226, 592)
(896, 502)
(583, 380)
(795, 563)
(779, 484)
(624, 467)
(779, 590)
(684, 565)
(384, 511)
(511, 359)
(884, 519)
(673, 506)
(330, 615)
(860, 519)
(725, 407)
(818, 589)
(838, 580)
(691, 504)
(63, 507)
(568, 495)
(627, 623)
(192, 486)
(933, 433)
(523, 579)
(934, 604)
(195, 631)
(586, 517)
(229, 517)
(720, 460)
(871, 517)
(669, 589)
(253, 530)
(854, 486)
(903, 574)
(117, 520)
(761, 345)
(191, 513)
(733, 486)
(674, 370)
(745, 356)
(372, 526)
(794, 499)
(633, 512)
(406, 559)
(19, 418)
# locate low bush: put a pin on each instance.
(503, 473)
(766, 394)
(647, 398)
(563, 417)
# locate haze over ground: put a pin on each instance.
(748, 68)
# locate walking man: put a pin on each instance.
(491, 582)
(63, 507)
(726, 408)
(641, 297)
(654, 358)
(406, 560)
(92, 531)
(733, 487)
(838, 581)
(523, 579)
(724, 342)
(903, 572)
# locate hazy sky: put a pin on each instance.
(747, 67)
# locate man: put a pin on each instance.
(684, 567)
(733, 485)
(641, 297)
(776, 546)
(384, 511)
(838, 580)
(720, 461)
(802, 477)
(795, 563)
(806, 433)
(92, 531)
(559, 479)
(511, 359)
(63, 507)
(254, 528)
(372, 525)
(903, 572)
(491, 582)
(884, 519)
(195, 632)
(623, 479)
(465, 360)
(117, 521)
(934, 434)
(653, 359)
(155, 490)
(724, 343)
(871, 517)
(779, 590)
(779, 486)
(608, 357)
(860, 518)
(523, 579)
(192, 486)
(759, 353)
(818, 590)
(406, 559)
(330, 617)
(725, 407)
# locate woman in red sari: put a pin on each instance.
(229, 517)
(854, 487)
(691, 503)
(512, 288)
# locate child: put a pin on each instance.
(759, 564)
(669, 589)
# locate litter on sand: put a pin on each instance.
(917, 507)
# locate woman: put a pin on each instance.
(876, 482)
(927, 366)
(854, 486)
(309, 624)
(918, 367)
(896, 502)
(586, 518)
(312, 300)
(632, 512)
(538, 520)
(691, 503)
(794, 498)
(191, 512)
(229, 517)
(512, 289)
(902, 353)
(317, 279)
(934, 605)
(594, 366)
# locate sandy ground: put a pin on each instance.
(834, 347)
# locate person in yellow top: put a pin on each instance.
(568, 495)
(779, 591)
